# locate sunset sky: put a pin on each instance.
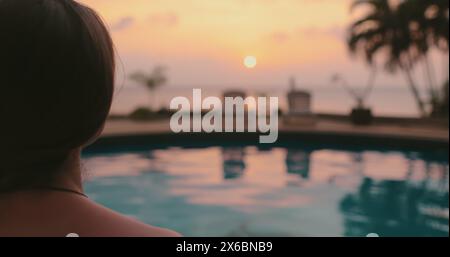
(204, 43)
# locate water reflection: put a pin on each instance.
(248, 191)
(154, 164)
(400, 207)
(298, 162)
(233, 162)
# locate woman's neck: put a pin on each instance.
(70, 176)
(67, 185)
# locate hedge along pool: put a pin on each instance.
(296, 189)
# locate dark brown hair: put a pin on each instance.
(56, 86)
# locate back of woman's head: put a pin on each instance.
(56, 86)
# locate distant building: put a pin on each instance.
(299, 101)
(234, 93)
(299, 104)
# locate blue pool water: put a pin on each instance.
(247, 191)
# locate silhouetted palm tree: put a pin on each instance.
(383, 29)
(152, 81)
(429, 26)
(405, 31)
(432, 18)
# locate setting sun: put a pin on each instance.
(250, 62)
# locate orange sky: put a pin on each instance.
(203, 42)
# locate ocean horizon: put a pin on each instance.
(392, 101)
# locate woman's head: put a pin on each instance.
(56, 86)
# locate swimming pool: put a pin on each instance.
(245, 190)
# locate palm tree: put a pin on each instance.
(384, 29)
(434, 19)
(407, 31)
(152, 81)
(429, 27)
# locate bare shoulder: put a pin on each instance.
(101, 221)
